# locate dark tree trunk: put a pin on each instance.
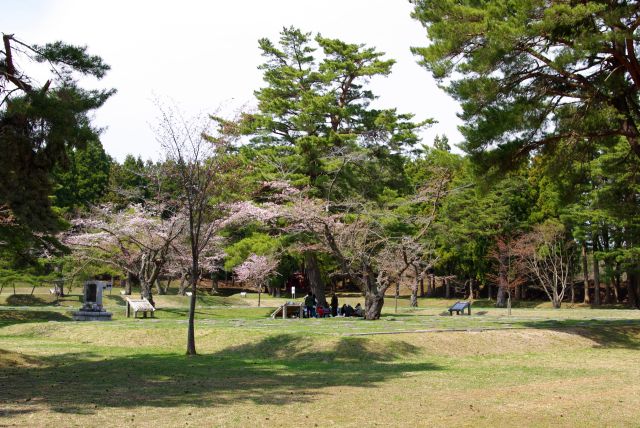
(585, 273)
(128, 283)
(447, 288)
(596, 272)
(430, 286)
(421, 289)
(632, 290)
(616, 283)
(503, 279)
(191, 337)
(313, 276)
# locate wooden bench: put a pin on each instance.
(459, 308)
(139, 305)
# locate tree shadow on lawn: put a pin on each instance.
(277, 370)
(10, 317)
(623, 334)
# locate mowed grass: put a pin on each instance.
(538, 367)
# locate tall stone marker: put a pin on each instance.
(92, 309)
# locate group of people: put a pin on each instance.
(313, 308)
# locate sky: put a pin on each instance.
(204, 57)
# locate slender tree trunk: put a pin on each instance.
(127, 287)
(421, 288)
(585, 273)
(182, 289)
(191, 337)
(447, 288)
(397, 294)
(159, 290)
(596, 272)
(518, 293)
(616, 284)
(632, 290)
(313, 276)
(417, 284)
(145, 292)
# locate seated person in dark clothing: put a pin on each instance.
(358, 311)
(348, 311)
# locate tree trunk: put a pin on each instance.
(447, 288)
(596, 272)
(556, 299)
(145, 292)
(430, 285)
(191, 337)
(414, 293)
(616, 284)
(373, 303)
(503, 279)
(585, 273)
(182, 289)
(373, 297)
(159, 290)
(397, 294)
(421, 288)
(313, 276)
(501, 298)
(214, 285)
(632, 290)
(127, 286)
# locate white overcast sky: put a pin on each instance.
(204, 54)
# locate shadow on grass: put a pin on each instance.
(29, 300)
(606, 333)
(277, 370)
(9, 317)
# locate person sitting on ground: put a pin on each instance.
(326, 310)
(348, 311)
(358, 311)
(309, 301)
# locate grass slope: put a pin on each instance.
(539, 367)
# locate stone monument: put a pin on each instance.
(92, 309)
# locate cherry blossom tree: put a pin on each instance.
(546, 256)
(257, 271)
(137, 239)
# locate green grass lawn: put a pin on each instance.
(538, 367)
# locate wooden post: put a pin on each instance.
(284, 311)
